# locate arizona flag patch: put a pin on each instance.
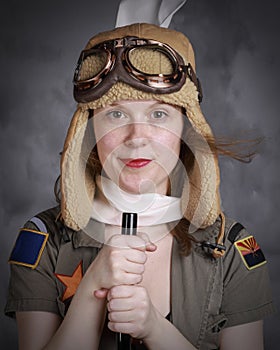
(28, 248)
(250, 252)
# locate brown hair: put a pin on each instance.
(241, 150)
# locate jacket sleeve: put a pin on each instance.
(246, 290)
(34, 289)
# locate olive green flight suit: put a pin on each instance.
(207, 294)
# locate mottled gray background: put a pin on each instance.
(237, 47)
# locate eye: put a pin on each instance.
(115, 114)
(159, 114)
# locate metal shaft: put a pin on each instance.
(129, 227)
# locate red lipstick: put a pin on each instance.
(136, 163)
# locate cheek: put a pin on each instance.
(168, 143)
(168, 151)
(170, 136)
(107, 145)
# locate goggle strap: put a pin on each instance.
(188, 69)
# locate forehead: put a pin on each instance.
(136, 104)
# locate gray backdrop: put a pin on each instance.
(237, 48)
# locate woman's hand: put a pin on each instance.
(120, 261)
(131, 311)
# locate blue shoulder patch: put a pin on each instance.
(28, 248)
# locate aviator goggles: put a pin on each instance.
(147, 65)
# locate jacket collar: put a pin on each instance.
(84, 238)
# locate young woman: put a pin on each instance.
(191, 278)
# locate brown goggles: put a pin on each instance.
(147, 65)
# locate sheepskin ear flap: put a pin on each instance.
(200, 200)
(77, 186)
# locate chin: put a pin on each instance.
(137, 185)
(130, 185)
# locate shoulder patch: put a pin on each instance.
(250, 252)
(28, 248)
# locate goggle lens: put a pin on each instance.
(150, 60)
(92, 65)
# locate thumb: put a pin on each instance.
(150, 246)
(100, 293)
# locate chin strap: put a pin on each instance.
(159, 12)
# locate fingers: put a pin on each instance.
(128, 266)
(121, 304)
(135, 268)
(126, 262)
(130, 310)
(136, 256)
(125, 327)
(119, 295)
(140, 242)
(122, 291)
(121, 316)
(130, 278)
(121, 261)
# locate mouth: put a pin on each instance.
(136, 163)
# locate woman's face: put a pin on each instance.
(138, 143)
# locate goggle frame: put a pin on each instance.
(117, 51)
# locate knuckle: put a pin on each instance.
(112, 317)
(142, 257)
(142, 315)
(142, 268)
(117, 276)
(109, 308)
(138, 279)
(113, 305)
(146, 304)
(131, 280)
(112, 326)
(115, 264)
(112, 295)
(115, 254)
(144, 307)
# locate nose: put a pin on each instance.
(138, 135)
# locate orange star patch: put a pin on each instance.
(71, 282)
